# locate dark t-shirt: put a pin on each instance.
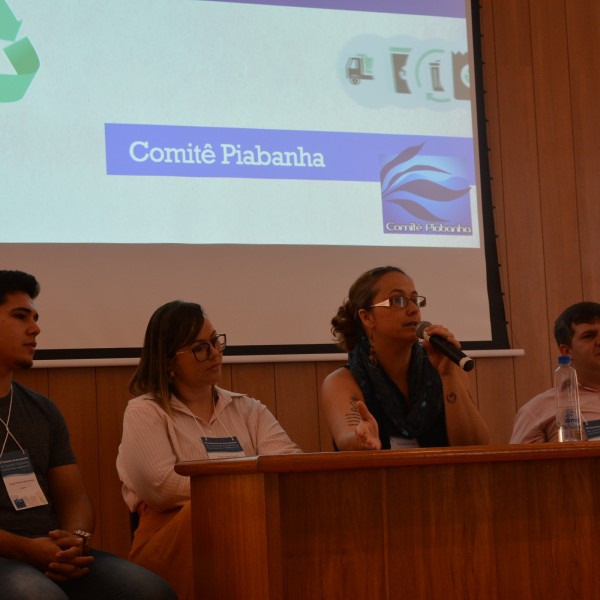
(40, 428)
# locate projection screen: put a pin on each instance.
(254, 157)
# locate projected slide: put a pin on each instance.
(254, 157)
(202, 122)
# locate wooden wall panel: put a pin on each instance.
(556, 159)
(496, 395)
(257, 381)
(297, 403)
(496, 375)
(323, 369)
(583, 25)
(35, 379)
(226, 375)
(112, 398)
(524, 236)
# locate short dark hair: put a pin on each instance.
(17, 281)
(582, 312)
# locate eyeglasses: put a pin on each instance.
(401, 302)
(202, 351)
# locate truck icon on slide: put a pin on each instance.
(359, 68)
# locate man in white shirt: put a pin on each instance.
(577, 333)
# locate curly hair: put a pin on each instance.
(346, 325)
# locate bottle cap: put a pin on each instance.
(564, 360)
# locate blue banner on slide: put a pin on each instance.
(180, 151)
(424, 180)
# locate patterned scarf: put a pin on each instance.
(422, 417)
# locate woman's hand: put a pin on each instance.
(367, 431)
(441, 362)
(464, 424)
(351, 424)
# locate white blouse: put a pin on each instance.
(154, 441)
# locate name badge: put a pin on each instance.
(21, 483)
(592, 430)
(400, 443)
(227, 447)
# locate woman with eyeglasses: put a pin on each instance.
(395, 392)
(181, 414)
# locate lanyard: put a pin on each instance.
(8, 431)
(218, 420)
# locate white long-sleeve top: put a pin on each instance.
(154, 441)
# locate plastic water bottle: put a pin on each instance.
(568, 417)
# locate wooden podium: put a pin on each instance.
(484, 523)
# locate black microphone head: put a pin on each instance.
(421, 327)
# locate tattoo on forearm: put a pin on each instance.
(451, 398)
(353, 416)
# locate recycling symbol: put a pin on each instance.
(20, 53)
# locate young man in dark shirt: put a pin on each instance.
(46, 517)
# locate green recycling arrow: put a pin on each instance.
(22, 57)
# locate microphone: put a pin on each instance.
(456, 355)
